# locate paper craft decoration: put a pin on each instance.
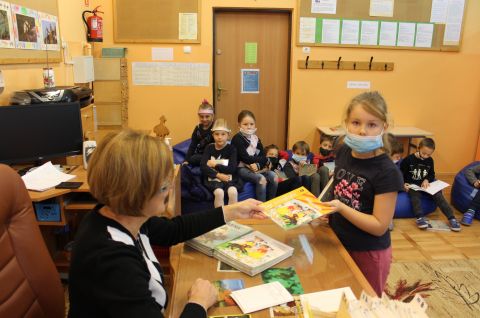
(295, 208)
(26, 27)
(50, 36)
(6, 26)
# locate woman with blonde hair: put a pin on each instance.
(114, 272)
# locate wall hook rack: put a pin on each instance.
(339, 64)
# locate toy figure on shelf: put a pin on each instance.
(161, 130)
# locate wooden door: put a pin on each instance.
(271, 33)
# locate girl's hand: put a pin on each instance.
(425, 184)
(203, 293)
(224, 177)
(248, 209)
(406, 186)
(253, 167)
(211, 163)
(337, 205)
(476, 184)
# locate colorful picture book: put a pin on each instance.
(225, 287)
(232, 316)
(206, 243)
(295, 208)
(252, 253)
(433, 188)
(307, 169)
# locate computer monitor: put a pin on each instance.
(40, 132)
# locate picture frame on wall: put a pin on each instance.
(7, 38)
(26, 27)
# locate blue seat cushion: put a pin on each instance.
(462, 190)
(403, 207)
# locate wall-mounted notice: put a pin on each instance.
(330, 31)
(170, 74)
(388, 33)
(307, 30)
(6, 26)
(453, 27)
(369, 33)
(187, 26)
(350, 31)
(424, 35)
(162, 53)
(439, 11)
(26, 27)
(250, 81)
(406, 34)
(358, 84)
(324, 6)
(251, 52)
(381, 8)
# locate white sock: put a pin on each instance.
(232, 195)
(218, 193)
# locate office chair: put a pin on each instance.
(29, 282)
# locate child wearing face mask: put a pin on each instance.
(276, 165)
(365, 187)
(300, 157)
(396, 149)
(202, 134)
(219, 166)
(326, 154)
(418, 169)
(252, 159)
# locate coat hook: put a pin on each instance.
(385, 66)
(322, 65)
(354, 66)
(306, 62)
(370, 64)
(338, 62)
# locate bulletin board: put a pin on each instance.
(156, 21)
(415, 11)
(23, 56)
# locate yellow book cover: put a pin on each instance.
(295, 208)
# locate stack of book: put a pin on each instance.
(239, 247)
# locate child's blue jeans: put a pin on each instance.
(263, 192)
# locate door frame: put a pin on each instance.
(289, 73)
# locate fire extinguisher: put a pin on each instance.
(94, 26)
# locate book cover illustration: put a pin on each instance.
(232, 316)
(225, 288)
(253, 249)
(295, 208)
(222, 234)
(292, 309)
(437, 225)
(223, 267)
(285, 276)
(307, 169)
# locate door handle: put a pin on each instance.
(220, 90)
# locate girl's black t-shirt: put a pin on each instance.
(356, 182)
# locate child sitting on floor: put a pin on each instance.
(473, 176)
(418, 169)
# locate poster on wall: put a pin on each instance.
(6, 26)
(26, 27)
(250, 81)
(49, 32)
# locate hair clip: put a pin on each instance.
(205, 102)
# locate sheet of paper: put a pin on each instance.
(331, 31)
(369, 33)
(439, 11)
(250, 81)
(453, 27)
(170, 74)
(325, 301)
(381, 8)
(358, 84)
(307, 30)
(388, 33)
(162, 53)
(424, 35)
(406, 34)
(261, 296)
(250, 52)
(350, 31)
(45, 177)
(324, 6)
(187, 26)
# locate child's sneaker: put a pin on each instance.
(467, 218)
(454, 225)
(422, 223)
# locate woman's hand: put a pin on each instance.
(337, 205)
(203, 293)
(248, 209)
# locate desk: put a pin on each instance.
(408, 132)
(332, 266)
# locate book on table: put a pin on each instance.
(295, 208)
(242, 248)
(433, 188)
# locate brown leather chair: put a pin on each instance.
(29, 282)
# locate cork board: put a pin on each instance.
(20, 56)
(153, 21)
(418, 11)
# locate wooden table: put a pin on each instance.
(408, 132)
(331, 266)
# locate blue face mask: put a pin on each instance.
(362, 144)
(299, 158)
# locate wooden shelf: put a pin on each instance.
(80, 205)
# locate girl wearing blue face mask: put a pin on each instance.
(252, 162)
(300, 157)
(365, 187)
